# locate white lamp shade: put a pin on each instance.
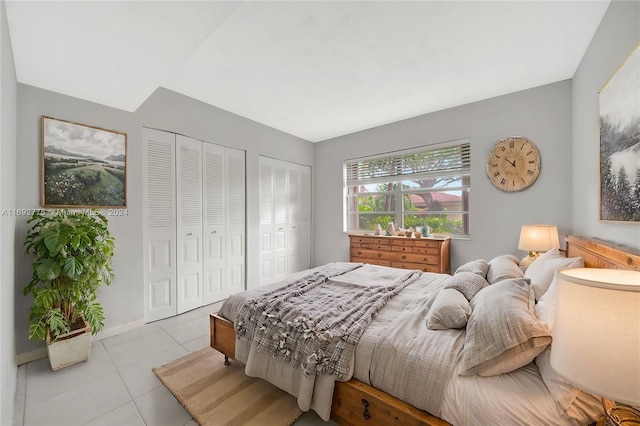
(596, 333)
(538, 238)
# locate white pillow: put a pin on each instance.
(450, 309)
(504, 267)
(546, 306)
(541, 271)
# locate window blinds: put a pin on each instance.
(444, 161)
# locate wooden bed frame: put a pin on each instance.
(356, 403)
(603, 254)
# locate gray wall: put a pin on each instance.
(123, 301)
(8, 96)
(617, 35)
(541, 114)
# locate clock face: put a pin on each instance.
(513, 164)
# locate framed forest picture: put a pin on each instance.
(619, 103)
(82, 166)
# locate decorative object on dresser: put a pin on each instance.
(596, 337)
(535, 240)
(425, 254)
(513, 164)
(619, 107)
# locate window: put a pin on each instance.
(428, 186)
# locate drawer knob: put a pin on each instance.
(404, 257)
(365, 414)
(379, 254)
(359, 253)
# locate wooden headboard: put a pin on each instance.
(603, 254)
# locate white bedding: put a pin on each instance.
(391, 356)
(517, 398)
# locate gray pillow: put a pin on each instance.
(467, 283)
(450, 309)
(479, 267)
(504, 267)
(503, 333)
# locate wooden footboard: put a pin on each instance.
(354, 402)
(223, 337)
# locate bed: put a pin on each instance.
(393, 377)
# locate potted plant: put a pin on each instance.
(73, 252)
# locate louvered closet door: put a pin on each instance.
(159, 225)
(285, 218)
(304, 224)
(280, 204)
(293, 218)
(266, 245)
(214, 223)
(235, 233)
(189, 220)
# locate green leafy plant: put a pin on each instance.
(73, 252)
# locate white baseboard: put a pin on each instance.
(118, 329)
(33, 355)
(40, 353)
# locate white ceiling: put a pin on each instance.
(314, 69)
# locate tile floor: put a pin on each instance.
(116, 387)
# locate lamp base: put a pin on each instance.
(620, 414)
(528, 260)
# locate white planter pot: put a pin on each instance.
(69, 348)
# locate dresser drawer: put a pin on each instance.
(419, 266)
(372, 246)
(427, 243)
(425, 259)
(379, 262)
(370, 240)
(371, 254)
(435, 251)
(404, 249)
(403, 242)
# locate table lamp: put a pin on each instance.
(596, 337)
(536, 239)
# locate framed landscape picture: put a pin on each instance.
(619, 102)
(82, 166)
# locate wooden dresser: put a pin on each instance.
(425, 254)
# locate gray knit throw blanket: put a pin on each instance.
(315, 322)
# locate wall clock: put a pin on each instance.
(513, 164)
